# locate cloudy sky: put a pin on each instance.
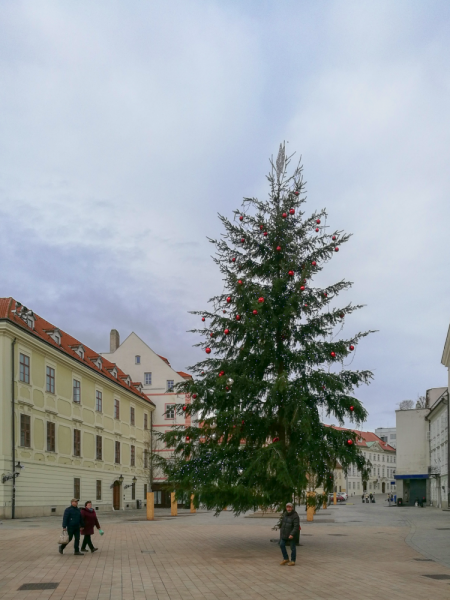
(125, 127)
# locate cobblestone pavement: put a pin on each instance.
(351, 551)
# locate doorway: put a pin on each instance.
(116, 495)
(383, 487)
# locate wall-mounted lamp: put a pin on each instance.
(10, 476)
(125, 487)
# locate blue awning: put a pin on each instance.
(411, 476)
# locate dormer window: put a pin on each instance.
(138, 386)
(79, 350)
(113, 371)
(26, 315)
(55, 334)
(97, 361)
(127, 379)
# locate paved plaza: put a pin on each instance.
(350, 551)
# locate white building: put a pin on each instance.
(382, 458)
(158, 379)
(438, 440)
(388, 435)
(413, 454)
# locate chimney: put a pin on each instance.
(114, 340)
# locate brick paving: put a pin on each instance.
(356, 552)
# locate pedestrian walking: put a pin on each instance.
(90, 521)
(289, 532)
(72, 522)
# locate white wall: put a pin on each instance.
(413, 455)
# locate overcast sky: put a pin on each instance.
(125, 127)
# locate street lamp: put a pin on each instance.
(125, 487)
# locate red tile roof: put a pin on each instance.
(164, 359)
(185, 375)
(366, 436)
(41, 329)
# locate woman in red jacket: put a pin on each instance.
(90, 520)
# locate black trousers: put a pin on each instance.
(75, 534)
(87, 542)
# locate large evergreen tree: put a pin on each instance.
(274, 361)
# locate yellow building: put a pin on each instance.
(81, 426)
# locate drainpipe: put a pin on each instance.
(13, 433)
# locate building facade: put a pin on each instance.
(413, 455)
(159, 380)
(81, 425)
(438, 440)
(382, 460)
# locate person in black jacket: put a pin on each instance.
(289, 532)
(73, 521)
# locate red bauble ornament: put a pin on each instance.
(317, 229)
(292, 211)
(306, 305)
(203, 372)
(203, 318)
(284, 215)
(227, 331)
(302, 288)
(349, 442)
(255, 312)
(211, 335)
(333, 238)
(227, 388)
(351, 347)
(208, 350)
(336, 249)
(224, 312)
(234, 426)
(241, 218)
(228, 299)
(261, 227)
(275, 439)
(187, 438)
(314, 263)
(352, 408)
(261, 300)
(242, 240)
(296, 193)
(222, 373)
(265, 233)
(243, 422)
(318, 221)
(184, 407)
(195, 395)
(341, 315)
(333, 354)
(238, 317)
(278, 248)
(325, 294)
(240, 282)
(233, 259)
(291, 273)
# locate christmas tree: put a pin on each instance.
(275, 361)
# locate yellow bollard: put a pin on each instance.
(334, 498)
(173, 505)
(150, 506)
(310, 510)
(193, 509)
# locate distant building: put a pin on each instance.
(382, 459)
(80, 422)
(159, 380)
(388, 435)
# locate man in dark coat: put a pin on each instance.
(72, 521)
(90, 521)
(289, 532)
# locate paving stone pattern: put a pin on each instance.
(199, 557)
